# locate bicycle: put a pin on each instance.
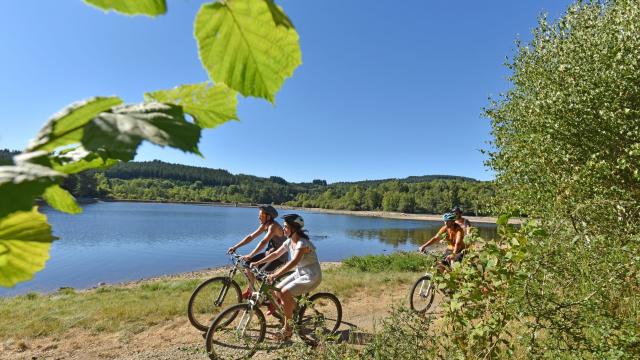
(215, 294)
(239, 329)
(423, 291)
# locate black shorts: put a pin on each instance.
(269, 267)
(457, 257)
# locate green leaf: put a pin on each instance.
(250, 45)
(131, 7)
(118, 134)
(79, 159)
(20, 185)
(503, 219)
(25, 239)
(65, 127)
(209, 105)
(61, 200)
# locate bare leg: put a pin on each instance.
(252, 279)
(288, 305)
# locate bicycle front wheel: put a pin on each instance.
(422, 294)
(209, 298)
(318, 317)
(236, 332)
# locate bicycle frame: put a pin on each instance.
(266, 292)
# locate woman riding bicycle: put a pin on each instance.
(304, 258)
(274, 238)
(454, 234)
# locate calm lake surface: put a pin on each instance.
(115, 242)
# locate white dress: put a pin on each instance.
(307, 275)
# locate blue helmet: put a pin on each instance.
(448, 216)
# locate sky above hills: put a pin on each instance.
(386, 89)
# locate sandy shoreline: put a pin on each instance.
(378, 214)
(396, 215)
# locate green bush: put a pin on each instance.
(399, 261)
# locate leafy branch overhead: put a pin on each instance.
(246, 46)
(120, 132)
(132, 7)
(250, 45)
(209, 105)
(25, 239)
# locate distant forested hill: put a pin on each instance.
(6, 156)
(157, 180)
(160, 181)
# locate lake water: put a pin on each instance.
(116, 242)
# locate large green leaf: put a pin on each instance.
(65, 127)
(60, 199)
(132, 7)
(209, 105)
(79, 159)
(20, 185)
(25, 239)
(118, 134)
(250, 45)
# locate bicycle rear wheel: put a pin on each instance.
(319, 316)
(209, 298)
(422, 294)
(236, 332)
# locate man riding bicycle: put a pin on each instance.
(274, 238)
(454, 234)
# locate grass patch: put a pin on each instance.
(132, 309)
(399, 262)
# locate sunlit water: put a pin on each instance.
(116, 242)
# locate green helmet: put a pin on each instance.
(448, 216)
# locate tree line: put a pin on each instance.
(160, 181)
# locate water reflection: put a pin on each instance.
(398, 237)
(115, 242)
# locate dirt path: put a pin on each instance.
(177, 339)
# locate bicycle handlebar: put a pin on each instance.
(237, 259)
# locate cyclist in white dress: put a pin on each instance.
(303, 257)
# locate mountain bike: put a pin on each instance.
(238, 330)
(215, 294)
(423, 291)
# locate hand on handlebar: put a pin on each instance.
(271, 278)
(231, 250)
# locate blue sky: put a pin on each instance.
(386, 89)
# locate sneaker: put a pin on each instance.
(246, 294)
(271, 309)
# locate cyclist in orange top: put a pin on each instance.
(462, 221)
(454, 235)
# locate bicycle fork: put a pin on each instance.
(425, 292)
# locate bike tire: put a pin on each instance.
(422, 294)
(320, 316)
(209, 298)
(236, 332)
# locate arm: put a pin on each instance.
(274, 255)
(434, 238)
(270, 233)
(467, 226)
(295, 259)
(247, 239)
